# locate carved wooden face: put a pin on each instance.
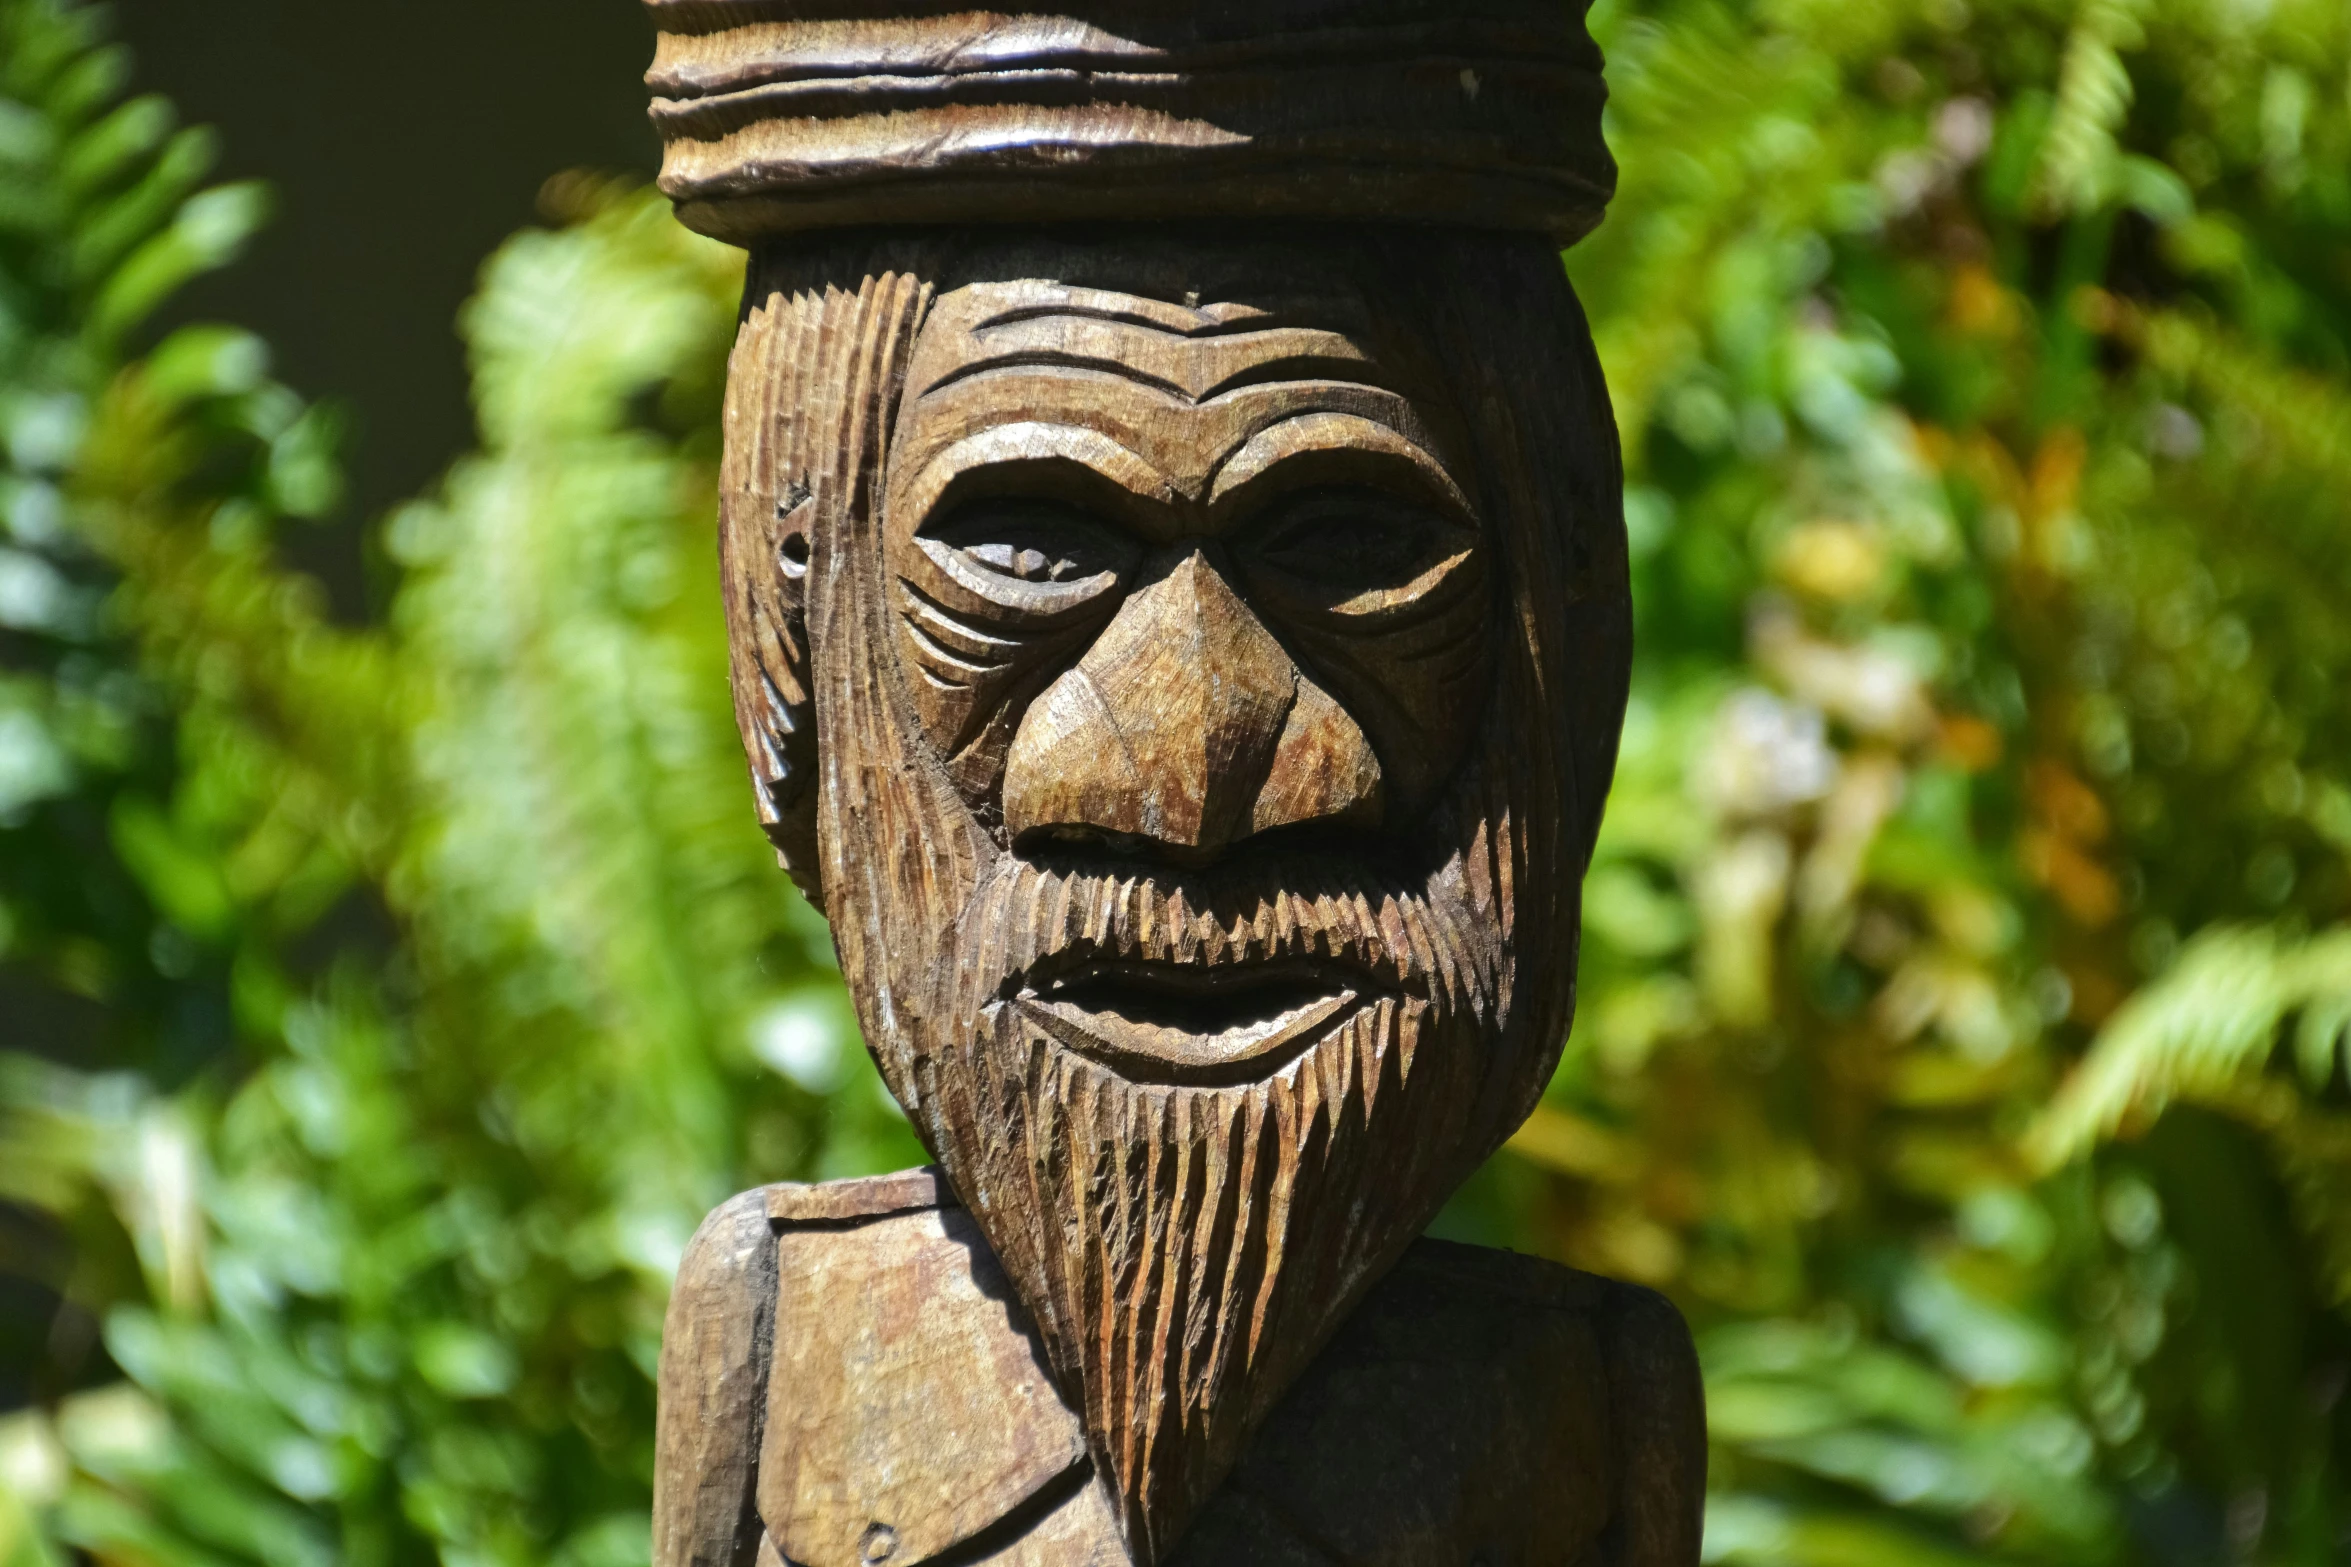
(1214, 652)
(1174, 584)
(1174, 576)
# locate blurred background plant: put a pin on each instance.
(1967, 987)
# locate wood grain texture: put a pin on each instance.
(766, 507)
(847, 1202)
(786, 115)
(911, 1424)
(1478, 1408)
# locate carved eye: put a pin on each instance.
(1034, 542)
(1337, 546)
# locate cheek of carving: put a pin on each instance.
(1412, 663)
(987, 613)
(969, 683)
(1323, 769)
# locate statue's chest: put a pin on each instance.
(911, 1420)
(909, 1410)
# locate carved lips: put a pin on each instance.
(1193, 1024)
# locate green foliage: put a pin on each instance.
(1981, 372)
(1966, 984)
(432, 965)
(2206, 1033)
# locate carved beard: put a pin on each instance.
(1188, 1248)
(1185, 1249)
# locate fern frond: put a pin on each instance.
(2200, 1032)
(2077, 168)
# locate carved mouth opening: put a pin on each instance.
(1194, 1023)
(1194, 1000)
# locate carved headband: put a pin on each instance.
(786, 115)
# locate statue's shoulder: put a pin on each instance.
(1467, 1381)
(1650, 1440)
(1642, 1334)
(1656, 1403)
(854, 1203)
(909, 1411)
(714, 1366)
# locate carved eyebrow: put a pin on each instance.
(1311, 441)
(1306, 366)
(1132, 347)
(995, 453)
(1055, 359)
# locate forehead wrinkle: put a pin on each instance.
(1147, 352)
(1083, 397)
(1054, 365)
(1134, 310)
(986, 305)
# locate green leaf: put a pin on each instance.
(108, 149)
(106, 235)
(185, 880)
(464, 1362)
(209, 232)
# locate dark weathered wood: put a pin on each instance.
(1660, 1415)
(1186, 661)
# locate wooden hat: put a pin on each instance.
(780, 116)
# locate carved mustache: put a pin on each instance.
(1044, 922)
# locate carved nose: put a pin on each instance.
(1188, 724)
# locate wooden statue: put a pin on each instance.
(1175, 561)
